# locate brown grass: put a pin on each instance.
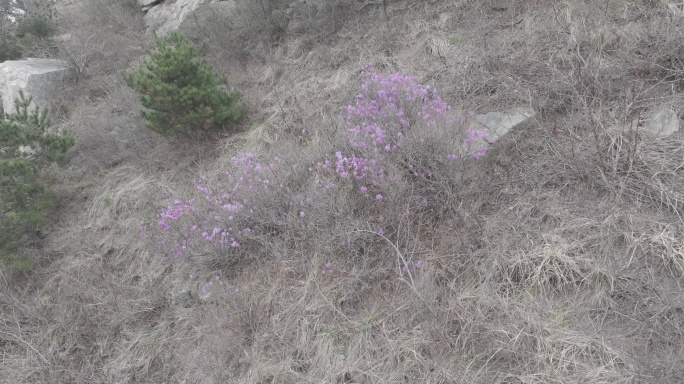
(558, 259)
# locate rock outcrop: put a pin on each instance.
(145, 5)
(209, 13)
(38, 78)
(165, 16)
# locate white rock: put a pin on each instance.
(39, 78)
(26, 150)
(662, 122)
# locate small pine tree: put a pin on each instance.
(9, 47)
(27, 34)
(181, 93)
(25, 148)
(39, 23)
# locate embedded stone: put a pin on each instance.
(37, 78)
(662, 122)
(497, 124)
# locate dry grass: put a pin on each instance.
(562, 264)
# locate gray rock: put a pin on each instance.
(497, 124)
(164, 18)
(661, 122)
(494, 124)
(444, 20)
(39, 78)
(146, 4)
(212, 11)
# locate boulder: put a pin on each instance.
(661, 122)
(38, 78)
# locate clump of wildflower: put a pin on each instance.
(327, 269)
(219, 217)
(386, 111)
(209, 285)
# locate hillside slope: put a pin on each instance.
(557, 257)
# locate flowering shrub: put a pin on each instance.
(217, 218)
(395, 163)
(399, 131)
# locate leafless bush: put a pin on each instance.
(100, 36)
(322, 17)
(256, 28)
